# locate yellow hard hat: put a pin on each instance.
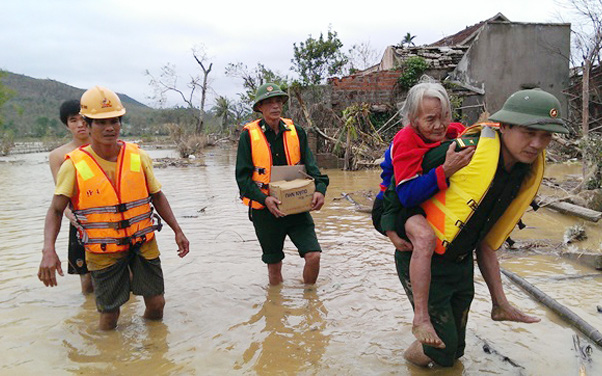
(101, 103)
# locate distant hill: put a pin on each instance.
(34, 108)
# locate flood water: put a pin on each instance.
(221, 316)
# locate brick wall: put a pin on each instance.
(374, 88)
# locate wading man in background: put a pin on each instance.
(275, 141)
(80, 135)
(488, 198)
(110, 186)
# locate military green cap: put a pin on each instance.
(266, 91)
(532, 108)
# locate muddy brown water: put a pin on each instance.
(222, 318)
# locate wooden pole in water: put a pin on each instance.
(562, 311)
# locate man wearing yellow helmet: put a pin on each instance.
(110, 186)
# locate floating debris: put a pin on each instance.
(177, 162)
(574, 233)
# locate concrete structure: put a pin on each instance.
(487, 62)
(506, 56)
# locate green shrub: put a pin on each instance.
(413, 69)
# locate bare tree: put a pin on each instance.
(361, 56)
(200, 56)
(253, 78)
(588, 43)
(167, 82)
(588, 46)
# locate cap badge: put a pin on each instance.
(269, 88)
(554, 113)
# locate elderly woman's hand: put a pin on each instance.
(455, 160)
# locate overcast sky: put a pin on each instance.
(112, 43)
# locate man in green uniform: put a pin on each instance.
(527, 121)
(275, 138)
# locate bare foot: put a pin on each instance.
(415, 354)
(510, 313)
(425, 334)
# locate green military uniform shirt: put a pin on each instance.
(244, 161)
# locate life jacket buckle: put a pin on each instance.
(121, 208)
(459, 224)
(125, 241)
(262, 185)
(534, 205)
(139, 242)
(445, 243)
(120, 225)
(159, 224)
(472, 204)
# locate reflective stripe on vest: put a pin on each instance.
(112, 217)
(448, 210)
(262, 155)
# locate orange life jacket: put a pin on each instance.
(262, 155)
(113, 217)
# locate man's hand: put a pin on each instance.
(456, 160)
(71, 217)
(183, 244)
(49, 265)
(399, 243)
(272, 203)
(317, 201)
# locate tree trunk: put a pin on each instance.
(310, 123)
(348, 153)
(585, 114)
(201, 122)
(587, 65)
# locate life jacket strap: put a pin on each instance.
(120, 208)
(471, 202)
(119, 225)
(127, 239)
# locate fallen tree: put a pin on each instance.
(565, 313)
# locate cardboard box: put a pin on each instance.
(293, 187)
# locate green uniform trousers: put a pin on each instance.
(450, 296)
(272, 231)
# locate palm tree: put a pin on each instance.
(224, 109)
(408, 40)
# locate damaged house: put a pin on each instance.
(484, 64)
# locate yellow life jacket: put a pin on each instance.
(448, 210)
(262, 155)
(113, 217)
